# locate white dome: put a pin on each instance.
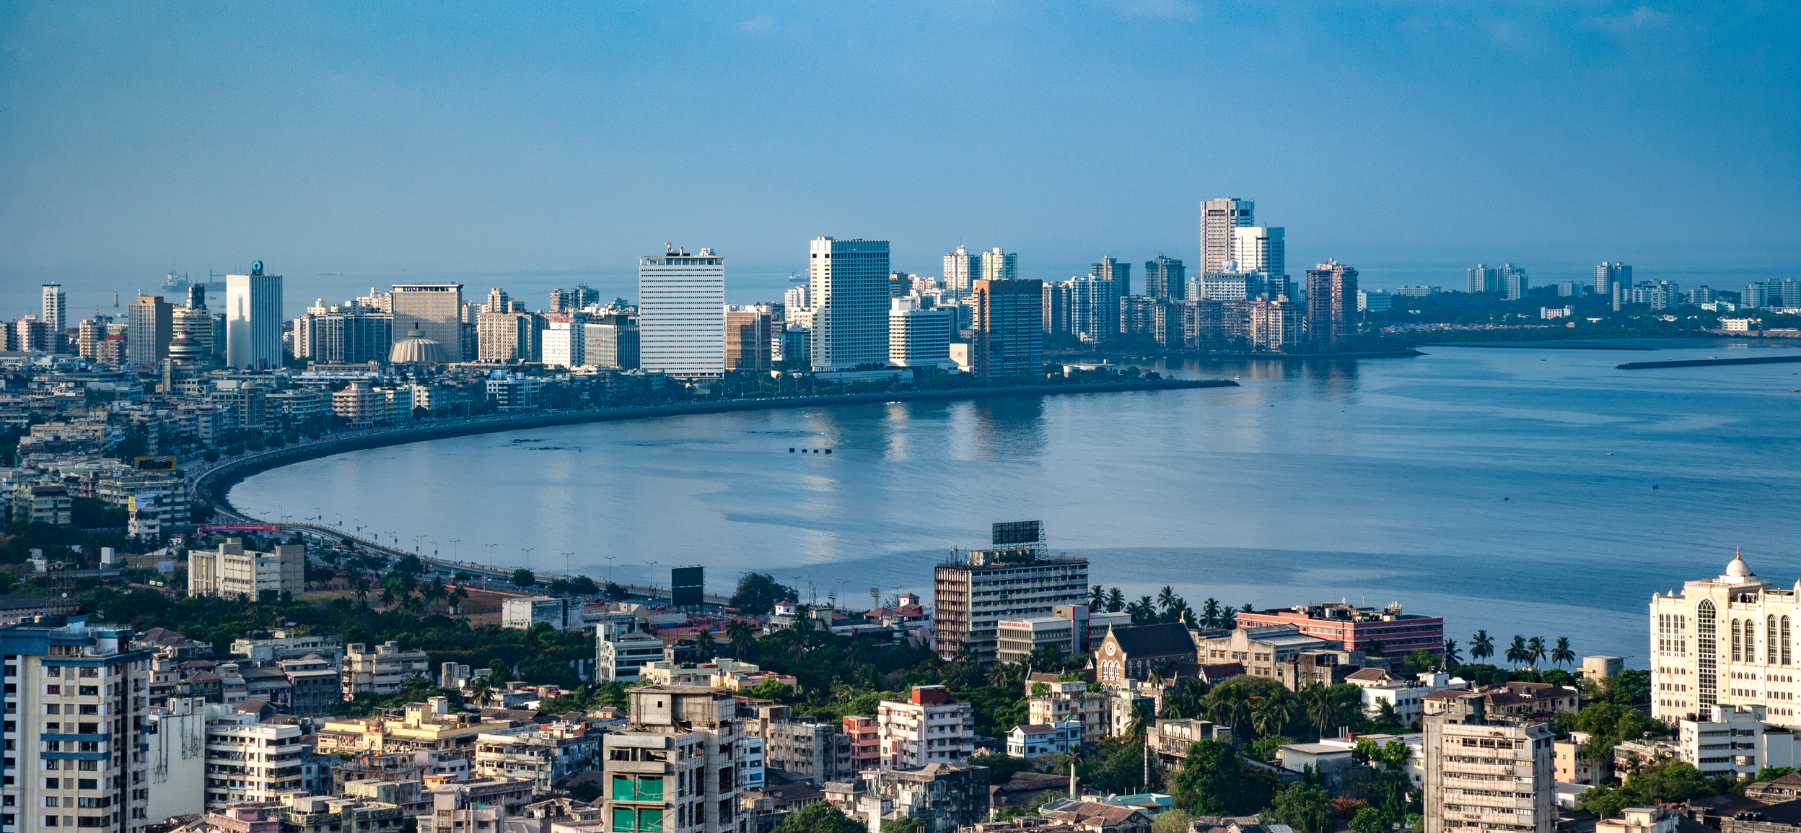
(416, 349)
(1738, 569)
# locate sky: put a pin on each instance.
(537, 145)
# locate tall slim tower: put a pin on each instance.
(1218, 218)
(961, 270)
(850, 302)
(681, 313)
(1608, 274)
(1112, 270)
(149, 328)
(1165, 278)
(253, 320)
(999, 266)
(55, 307)
(1007, 330)
(1260, 249)
(1331, 302)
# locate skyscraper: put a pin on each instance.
(150, 327)
(961, 269)
(1119, 273)
(850, 303)
(1093, 309)
(747, 336)
(999, 266)
(55, 314)
(1057, 298)
(681, 313)
(1007, 328)
(435, 310)
(1484, 279)
(1165, 278)
(1331, 302)
(1608, 274)
(1260, 249)
(1218, 218)
(253, 320)
(918, 337)
(1513, 282)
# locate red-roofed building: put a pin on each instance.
(1356, 627)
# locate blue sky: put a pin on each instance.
(532, 145)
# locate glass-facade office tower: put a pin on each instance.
(1218, 218)
(253, 320)
(849, 281)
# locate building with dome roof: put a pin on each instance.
(416, 349)
(1727, 640)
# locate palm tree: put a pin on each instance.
(458, 595)
(1097, 597)
(738, 633)
(1166, 598)
(1228, 619)
(1481, 646)
(1452, 657)
(1116, 601)
(1535, 649)
(435, 591)
(1321, 711)
(704, 644)
(1229, 705)
(1156, 677)
(1562, 653)
(1210, 613)
(1517, 652)
(1272, 714)
(387, 596)
(1149, 606)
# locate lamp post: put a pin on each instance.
(453, 548)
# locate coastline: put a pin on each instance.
(214, 483)
(1406, 353)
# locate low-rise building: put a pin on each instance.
(1356, 628)
(801, 747)
(335, 814)
(1062, 700)
(422, 726)
(1406, 698)
(1169, 738)
(1517, 699)
(540, 754)
(475, 806)
(248, 761)
(943, 796)
(1036, 739)
(1261, 649)
(926, 728)
(1734, 741)
(1643, 820)
(865, 742)
(620, 652)
(382, 670)
(235, 572)
(563, 613)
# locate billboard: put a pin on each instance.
(239, 528)
(687, 586)
(164, 463)
(1015, 534)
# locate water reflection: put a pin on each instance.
(1006, 428)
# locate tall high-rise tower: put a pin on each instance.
(1218, 219)
(1608, 274)
(149, 328)
(253, 320)
(681, 313)
(850, 302)
(1119, 273)
(1260, 249)
(435, 310)
(1165, 278)
(961, 270)
(55, 307)
(1007, 329)
(1331, 302)
(999, 266)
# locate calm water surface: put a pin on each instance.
(1537, 492)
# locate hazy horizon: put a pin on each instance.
(537, 147)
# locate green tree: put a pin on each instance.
(1171, 821)
(1481, 646)
(1662, 781)
(1213, 782)
(1370, 820)
(1517, 652)
(1535, 650)
(1304, 807)
(1561, 653)
(819, 818)
(1452, 657)
(1000, 767)
(524, 578)
(757, 594)
(1116, 601)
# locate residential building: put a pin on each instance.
(1093, 308)
(671, 768)
(522, 613)
(25, 607)
(562, 341)
(1484, 279)
(75, 705)
(1656, 294)
(253, 320)
(1388, 630)
(961, 270)
(865, 742)
(849, 296)
(973, 592)
(343, 334)
(539, 754)
(1609, 275)
(382, 670)
(1332, 302)
(747, 338)
(1274, 324)
(1259, 649)
(358, 403)
(1404, 698)
(926, 728)
(1513, 282)
(619, 652)
(175, 737)
(1038, 739)
(283, 643)
(435, 310)
(1112, 270)
(1170, 738)
(235, 572)
(1165, 278)
(333, 814)
(248, 761)
(428, 726)
(1729, 741)
(54, 310)
(150, 328)
(511, 392)
(475, 806)
(315, 686)
(943, 797)
(506, 336)
(1058, 298)
(39, 502)
(1137, 652)
(1488, 772)
(1727, 641)
(1219, 219)
(918, 336)
(1374, 300)
(1006, 329)
(800, 747)
(999, 266)
(1541, 701)
(681, 313)
(1227, 285)
(1065, 700)
(612, 340)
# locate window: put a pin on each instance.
(51, 784)
(87, 783)
(1735, 641)
(53, 689)
(89, 672)
(1784, 640)
(89, 691)
(49, 821)
(50, 801)
(53, 708)
(53, 671)
(90, 709)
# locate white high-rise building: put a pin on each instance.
(253, 320)
(918, 337)
(793, 302)
(563, 341)
(1726, 641)
(1218, 219)
(681, 313)
(1259, 249)
(850, 303)
(961, 271)
(55, 307)
(999, 266)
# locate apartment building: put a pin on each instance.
(1487, 772)
(620, 652)
(671, 768)
(973, 593)
(1259, 649)
(428, 726)
(75, 698)
(537, 753)
(1069, 700)
(926, 728)
(247, 761)
(236, 572)
(476, 806)
(865, 742)
(382, 670)
(801, 747)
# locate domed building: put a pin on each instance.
(186, 352)
(1728, 642)
(416, 349)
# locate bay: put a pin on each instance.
(1533, 492)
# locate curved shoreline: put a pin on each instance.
(214, 484)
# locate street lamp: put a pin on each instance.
(491, 564)
(566, 555)
(453, 548)
(610, 568)
(528, 556)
